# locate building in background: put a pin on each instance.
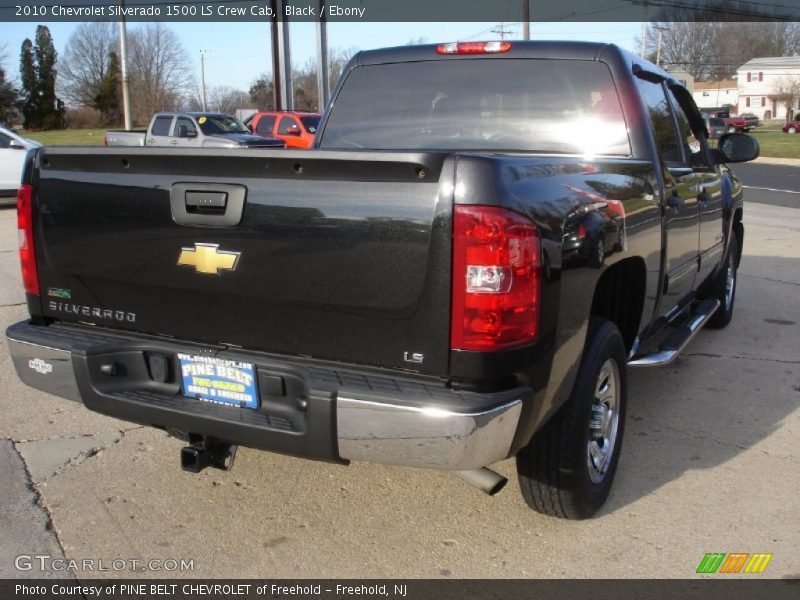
(717, 94)
(684, 78)
(770, 87)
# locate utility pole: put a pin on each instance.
(123, 59)
(323, 86)
(644, 32)
(502, 31)
(658, 47)
(281, 58)
(526, 20)
(203, 77)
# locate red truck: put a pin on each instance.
(732, 124)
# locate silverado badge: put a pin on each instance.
(207, 258)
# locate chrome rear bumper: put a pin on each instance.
(336, 414)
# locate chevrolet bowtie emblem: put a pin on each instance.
(207, 258)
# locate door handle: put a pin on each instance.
(207, 204)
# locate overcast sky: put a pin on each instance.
(239, 52)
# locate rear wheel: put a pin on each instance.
(792, 129)
(568, 467)
(723, 287)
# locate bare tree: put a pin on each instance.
(786, 91)
(84, 64)
(159, 70)
(684, 46)
(225, 99)
(715, 50)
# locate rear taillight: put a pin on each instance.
(474, 48)
(496, 279)
(27, 257)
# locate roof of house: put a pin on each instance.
(725, 84)
(772, 62)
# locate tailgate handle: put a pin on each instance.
(207, 204)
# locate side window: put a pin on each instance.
(161, 125)
(187, 123)
(5, 141)
(692, 147)
(286, 124)
(661, 120)
(265, 125)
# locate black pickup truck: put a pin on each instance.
(487, 236)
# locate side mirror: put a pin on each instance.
(16, 145)
(293, 130)
(736, 147)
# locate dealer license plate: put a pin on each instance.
(219, 380)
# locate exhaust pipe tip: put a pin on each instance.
(488, 481)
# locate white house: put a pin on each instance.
(716, 94)
(760, 80)
(684, 78)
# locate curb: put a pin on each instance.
(768, 160)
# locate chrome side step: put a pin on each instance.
(677, 340)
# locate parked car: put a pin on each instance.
(716, 127)
(792, 126)
(297, 129)
(13, 148)
(407, 303)
(193, 130)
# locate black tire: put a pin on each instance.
(718, 287)
(553, 469)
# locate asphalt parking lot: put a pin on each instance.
(709, 464)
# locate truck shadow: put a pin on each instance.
(729, 391)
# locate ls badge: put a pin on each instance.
(207, 258)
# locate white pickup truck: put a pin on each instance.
(193, 130)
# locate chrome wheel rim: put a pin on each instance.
(604, 421)
(730, 286)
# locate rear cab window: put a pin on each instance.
(524, 105)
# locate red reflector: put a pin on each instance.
(27, 257)
(474, 48)
(496, 279)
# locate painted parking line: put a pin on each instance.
(750, 187)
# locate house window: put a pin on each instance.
(760, 76)
(705, 94)
(747, 102)
(749, 76)
(763, 103)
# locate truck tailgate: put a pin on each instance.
(336, 255)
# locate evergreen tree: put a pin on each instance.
(107, 101)
(8, 99)
(29, 102)
(41, 108)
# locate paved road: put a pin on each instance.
(778, 185)
(710, 463)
